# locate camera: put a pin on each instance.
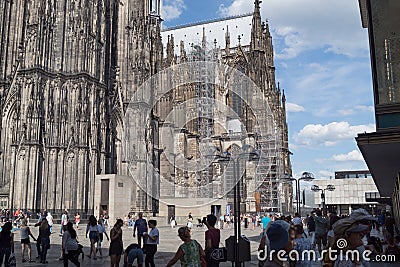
(204, 220)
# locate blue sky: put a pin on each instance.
(322, 62)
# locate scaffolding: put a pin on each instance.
(204, 86)
(267, 173)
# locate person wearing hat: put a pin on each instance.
(281, 237)
(348, 236)
(361, 216)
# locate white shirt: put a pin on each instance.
(64, 219)
(49, 219)
(152, 233)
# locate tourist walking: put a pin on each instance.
(212, 237)
(190, 252)
(70, 245)
(6, 243)
(77, 220)
(321, 228)
(190, 220)
(141, 228)
(49, 219)
(221, 221)
(64, 220)
(172, 221)
(93, 231)
(106, 217)
(44, 233)
(102, 232)
(265, 220)
(311, 229)
(152, 241)
(116, 246)
(25, 232)
(333, 218)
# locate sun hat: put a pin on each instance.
(278, 234)
(361, 215)
(348, 225)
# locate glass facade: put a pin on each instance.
(386, 40)
(352, 174)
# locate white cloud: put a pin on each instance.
(310, 24)
(361, 108)
(323, 88)
(365, 108)
(351, 156)
(346, 112)
(291, 107)
(172, 9)
(329, 134)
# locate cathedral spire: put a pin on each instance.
(268, 46)
(227, 41)
(170, 49)
(256, 30)
(257, 6)
(204, 41)
(183, 51)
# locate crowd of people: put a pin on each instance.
(315, 232)
(340, 241)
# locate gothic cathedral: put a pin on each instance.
(68, 70)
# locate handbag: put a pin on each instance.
(217, 255)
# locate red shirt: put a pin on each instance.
(215, 236)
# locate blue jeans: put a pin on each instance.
(5, 252)
(45, 243)
(135, 254)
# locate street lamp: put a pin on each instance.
(235, 159)
(316, 188)
(305, 176)
(372, 206)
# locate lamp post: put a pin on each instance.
(372, 207)
(305, 176)
(235, 159)
(316, 188)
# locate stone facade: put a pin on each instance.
(67, 73)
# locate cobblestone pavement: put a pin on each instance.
(169, 242)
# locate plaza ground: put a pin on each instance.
(169, 243)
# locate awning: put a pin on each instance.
(381, 152)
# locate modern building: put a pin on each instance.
(352, 191)
(380, 148)
(68, 71)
